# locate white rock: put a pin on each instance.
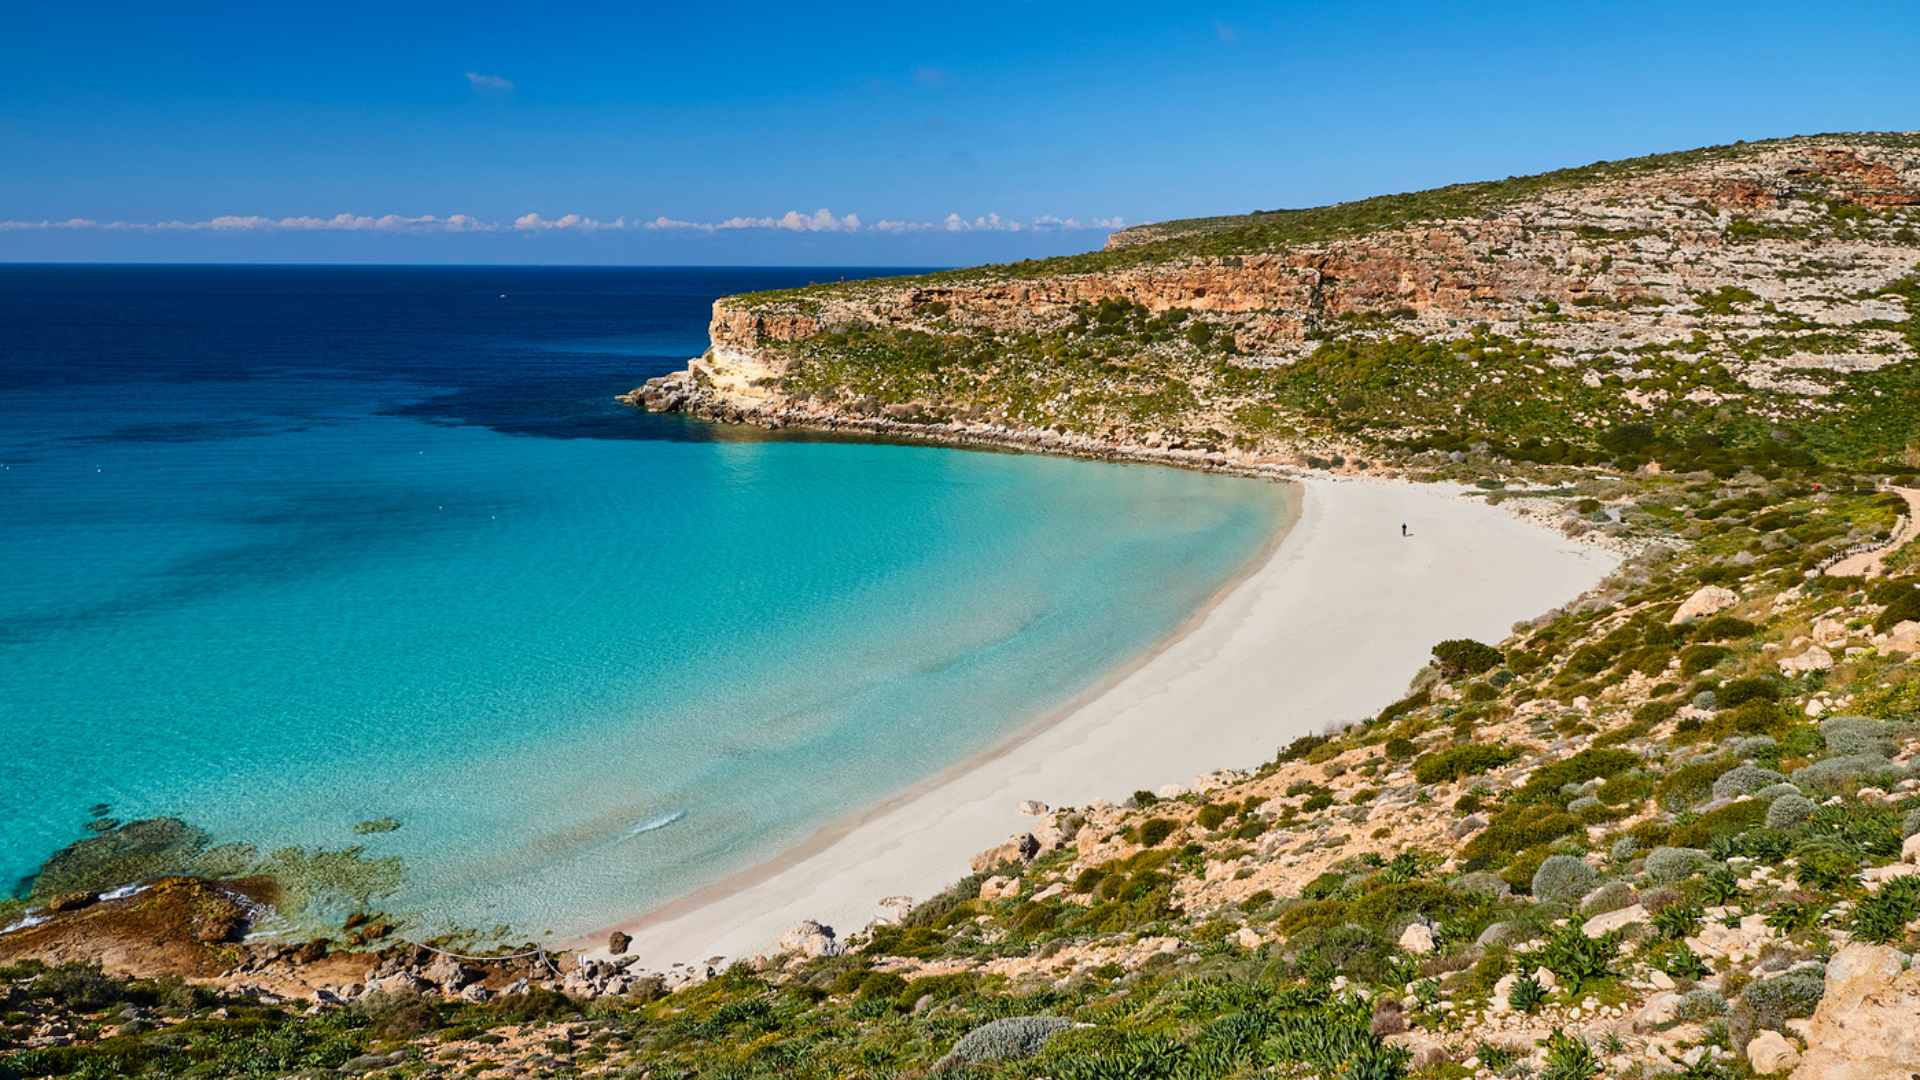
(999, 888)
(1910, 849)
(1033, 808)
(1814, 659)
(1770, 1052)
(1830, 633)
(1417, 939)
(1660, 980)
(1614, 920)
(1171, 791)
(1705, 601)
(1247, 937)
(1545, 978)
(811, 939)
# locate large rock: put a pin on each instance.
(811, 939)
(1904, 637)
(999, 888)
(1614, 920)
(450, 974)
(1021, 848)
(1814, 659)
(1770, 1052)
(1864, 1028)
(1660, 1009)
(1707, 600)
(617, 943)
(1417, 939)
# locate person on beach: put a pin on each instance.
(1403, 529)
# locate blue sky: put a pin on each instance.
(930, 134)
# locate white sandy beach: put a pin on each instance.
(1331, 628)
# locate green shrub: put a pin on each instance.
(1464, 656)
(1446, 766)
(1695, 659)
(1512, 831)
(1564, 878)
(1526, 994)
(1576, 958)
(1676, 921)
(1904, 609)
(1788, 811)
(1724, 628)
(1675, 863)
(1846, 775)
(1735, 692)
(1154, 831)
(1692, 783)
(1213, 815)
(1882, 918)
(1702, 1004)
(1590, 764)
(1400, 749)
(1774, 1001)
(1853, 736)
(1744, 780)
(1010, 1038)
(1730, 820)
(1384, 906)
(1569, 1057)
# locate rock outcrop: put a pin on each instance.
(1867, 1026)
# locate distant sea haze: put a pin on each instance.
(290, 549)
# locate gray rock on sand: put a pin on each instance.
(617, 942)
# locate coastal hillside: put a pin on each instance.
(1670, 828)
(1756, 298)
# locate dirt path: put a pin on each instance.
(1867, 563)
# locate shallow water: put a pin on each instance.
(286, 549)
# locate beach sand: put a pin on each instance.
(1330, 628)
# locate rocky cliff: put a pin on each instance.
(1731, 292)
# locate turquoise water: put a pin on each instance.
(295, 589)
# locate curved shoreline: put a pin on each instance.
(827, 836)
(1327, 627)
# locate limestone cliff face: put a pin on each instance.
(1594, 270)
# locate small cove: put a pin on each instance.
(290, 549)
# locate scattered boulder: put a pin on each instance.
(811, 939)
(1705, 601)
(1033, 808)
(999, 888)
(618, 943)
(1814, 659)
(1417, 939)
(450, 974)
(1770, 1052)
(1614, 920)
(1017, 849)
(73, 901)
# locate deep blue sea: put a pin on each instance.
(285, 549)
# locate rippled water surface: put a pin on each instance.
(286, 549)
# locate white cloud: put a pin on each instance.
(569, 223)
(428, 223)
(995, 223)
(488, 84)
(820, 221)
